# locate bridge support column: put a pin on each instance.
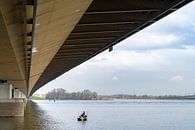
(12, 101)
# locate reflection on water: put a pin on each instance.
(105, 115)
(35, 119)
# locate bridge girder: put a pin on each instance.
(42, 39)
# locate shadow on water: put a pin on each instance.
(35, 119)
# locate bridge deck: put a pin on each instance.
(104, 24)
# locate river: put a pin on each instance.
(105, 115)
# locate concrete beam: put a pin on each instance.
(12, 61)
(55, 19)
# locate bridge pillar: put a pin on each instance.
(12, 101)
(18, 93)
(5, 91)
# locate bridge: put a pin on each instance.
(42, 39)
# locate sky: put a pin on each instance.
(158, 60)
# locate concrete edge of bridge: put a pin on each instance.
(12, 101)
(12, 107)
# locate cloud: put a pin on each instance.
(151, 60)
(178, 20)
(168, 32)
(150, 40)
(115, 78)
(123, 59)
(177, 78)
(193, 26)
(181, 19)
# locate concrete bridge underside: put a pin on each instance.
(42, 39)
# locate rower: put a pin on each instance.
(83, 114)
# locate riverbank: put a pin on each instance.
(118, 99)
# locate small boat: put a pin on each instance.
(82, 118)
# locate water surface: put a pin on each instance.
(105, 115)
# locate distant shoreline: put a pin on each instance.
(116, 99)
(147, 99)
(62, 94)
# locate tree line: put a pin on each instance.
(62, 94)
(126, 96)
